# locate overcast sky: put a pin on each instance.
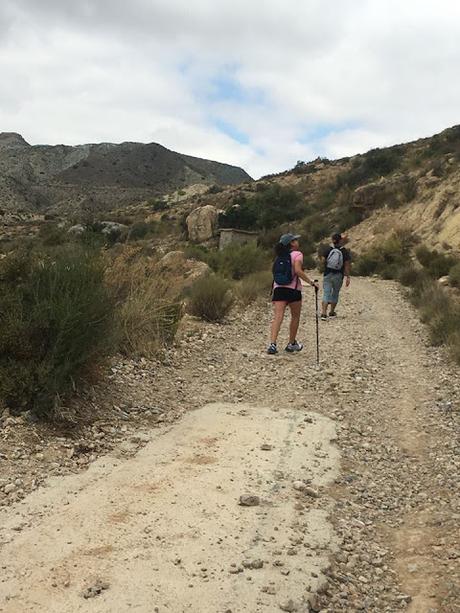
(257, 83)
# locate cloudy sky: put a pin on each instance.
(257, 83)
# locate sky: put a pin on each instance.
(256, 83)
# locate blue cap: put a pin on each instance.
(288, 238)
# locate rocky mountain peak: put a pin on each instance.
(12, 139)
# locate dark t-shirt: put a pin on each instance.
(346, 258)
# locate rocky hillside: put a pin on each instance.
(412, 187)
(39, 178)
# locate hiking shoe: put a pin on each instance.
(323, 317)
(333, 314)
(272, 349)
(295, 346)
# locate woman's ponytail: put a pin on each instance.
(281, 249)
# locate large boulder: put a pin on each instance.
(202, 223)
(113, 229)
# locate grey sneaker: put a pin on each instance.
(272, 349)
(295, 346)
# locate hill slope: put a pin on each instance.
(413, 186)
(41, 177)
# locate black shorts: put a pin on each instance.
(286, 294)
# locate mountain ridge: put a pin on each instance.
(38, 178)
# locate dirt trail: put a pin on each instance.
(394, 505)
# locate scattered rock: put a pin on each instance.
(289, 605)
(300, 486)
(266, 447)
(253, 564)
(95, 590)
(444, 281)
(249, 500)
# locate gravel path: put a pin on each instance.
(395, 402)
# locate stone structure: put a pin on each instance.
(231, 236)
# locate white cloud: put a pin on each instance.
(353, 74)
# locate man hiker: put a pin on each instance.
(337, 266)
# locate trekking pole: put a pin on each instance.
(317, 324)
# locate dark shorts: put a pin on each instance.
(286, 294)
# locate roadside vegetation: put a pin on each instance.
(420, 272)
(64, 310)
(57, 320)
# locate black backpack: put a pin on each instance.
(282, 269)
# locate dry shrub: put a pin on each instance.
(454, 275)
(147, 318)
(254, 286)
(210, 298)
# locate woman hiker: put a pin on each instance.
(287, 290)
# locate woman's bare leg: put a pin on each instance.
(279, 308)
(295, 307)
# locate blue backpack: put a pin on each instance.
(282, 270)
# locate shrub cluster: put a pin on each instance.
(254, 286)
(375, 163)
(454, 275)
(266, 209)
(234, 262)
(63, 310)
(56, 317)
(211, 298)
(389, 259)
(435, 263)
(441, 312)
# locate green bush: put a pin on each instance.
(237, 262)
(234, 262)
(388, 259)
(210, 298)
(375, 163)
(454, 275)
(254, 286)
(158, 205)
(56, 318)
(265, 209)
(440, 312)
(409, 275)
(52, 235)
(437, 264)
(140, 230)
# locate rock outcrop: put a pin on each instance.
(181, 272)
(202, 224)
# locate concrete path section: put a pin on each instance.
(165, 530)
